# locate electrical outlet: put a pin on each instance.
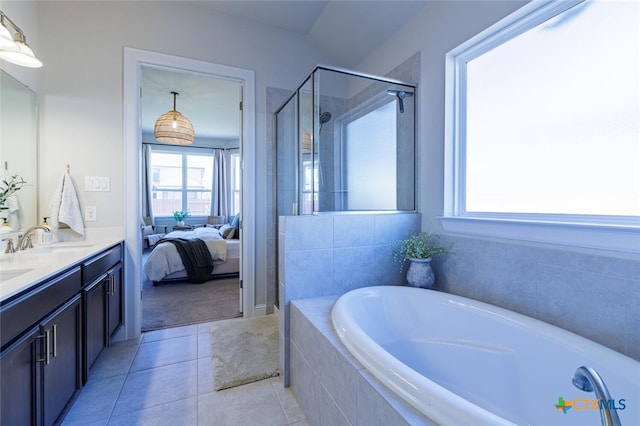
(90, 213)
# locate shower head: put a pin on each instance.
(325, 117)
(400, 94)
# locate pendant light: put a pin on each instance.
(174, 128)
(15, 50)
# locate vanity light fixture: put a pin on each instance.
(15, 50)
(174, 128)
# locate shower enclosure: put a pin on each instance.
(345, 141)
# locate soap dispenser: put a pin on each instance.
(45, 237)
(5, 228)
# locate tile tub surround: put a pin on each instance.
(593, 293)
(331, 254)
(330, 385)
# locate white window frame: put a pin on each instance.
(235, 187)
(620, 233)
(184, 152)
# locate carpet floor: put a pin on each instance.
(175, 304)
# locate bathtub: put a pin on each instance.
(463, 362)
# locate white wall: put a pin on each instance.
(81, 99)
(440, 27)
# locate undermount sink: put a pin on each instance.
(8, 274)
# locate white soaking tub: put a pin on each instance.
(463, 362)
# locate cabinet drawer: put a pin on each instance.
(94, 267)
(21, 313)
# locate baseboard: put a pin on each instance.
(260, 310)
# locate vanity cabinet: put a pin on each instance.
(52, 332)
(102, 300)
(41, 368)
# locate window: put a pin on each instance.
(543, 125)
(236, 173)
(181, 181)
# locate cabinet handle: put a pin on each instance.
(44, 336)
(55, 340)
(112, 285)
(108, 280)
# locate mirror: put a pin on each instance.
(18, 148)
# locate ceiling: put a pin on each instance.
(346, 31)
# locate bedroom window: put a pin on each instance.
(236, 173)
(181, 181)
(543, 127)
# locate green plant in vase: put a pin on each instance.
(419, 249)
(180, 216)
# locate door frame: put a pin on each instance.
(133, 61)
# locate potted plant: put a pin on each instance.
(180, 216)
(419, 249)
(8, 188)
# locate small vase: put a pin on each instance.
(180, 223)
(420, 273)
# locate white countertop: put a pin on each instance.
(19, 271)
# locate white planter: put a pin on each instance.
(420, 273)
(180, 223)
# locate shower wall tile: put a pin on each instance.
(321, 255)
(308, 273)
(352, 268)
(353, 230)
(390, 228)
(309, 232)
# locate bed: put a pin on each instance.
(164, 262)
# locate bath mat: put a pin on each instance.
(244, 350)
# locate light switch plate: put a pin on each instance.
(97, 184)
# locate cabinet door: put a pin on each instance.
(62, 376)
(20, 377)
(95, 313)
(114, 299)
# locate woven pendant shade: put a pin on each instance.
(174, 128)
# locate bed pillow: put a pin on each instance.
(235, 223)
(227, 231)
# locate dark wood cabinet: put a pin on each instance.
(41, 371)
(114, 299)
(20, 380)
(95, 312)
(102, 301)
(51, 334)
(61, 359)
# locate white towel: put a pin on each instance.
(65, 207)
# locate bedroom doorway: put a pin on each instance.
(135, 63)
(202, 179)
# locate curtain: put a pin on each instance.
(147, 181)
(220, 188)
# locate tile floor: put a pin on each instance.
(166, 379)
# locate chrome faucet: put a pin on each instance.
(588, 380)
(10, 249)
(25, 240)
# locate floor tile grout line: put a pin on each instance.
(123, 383)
